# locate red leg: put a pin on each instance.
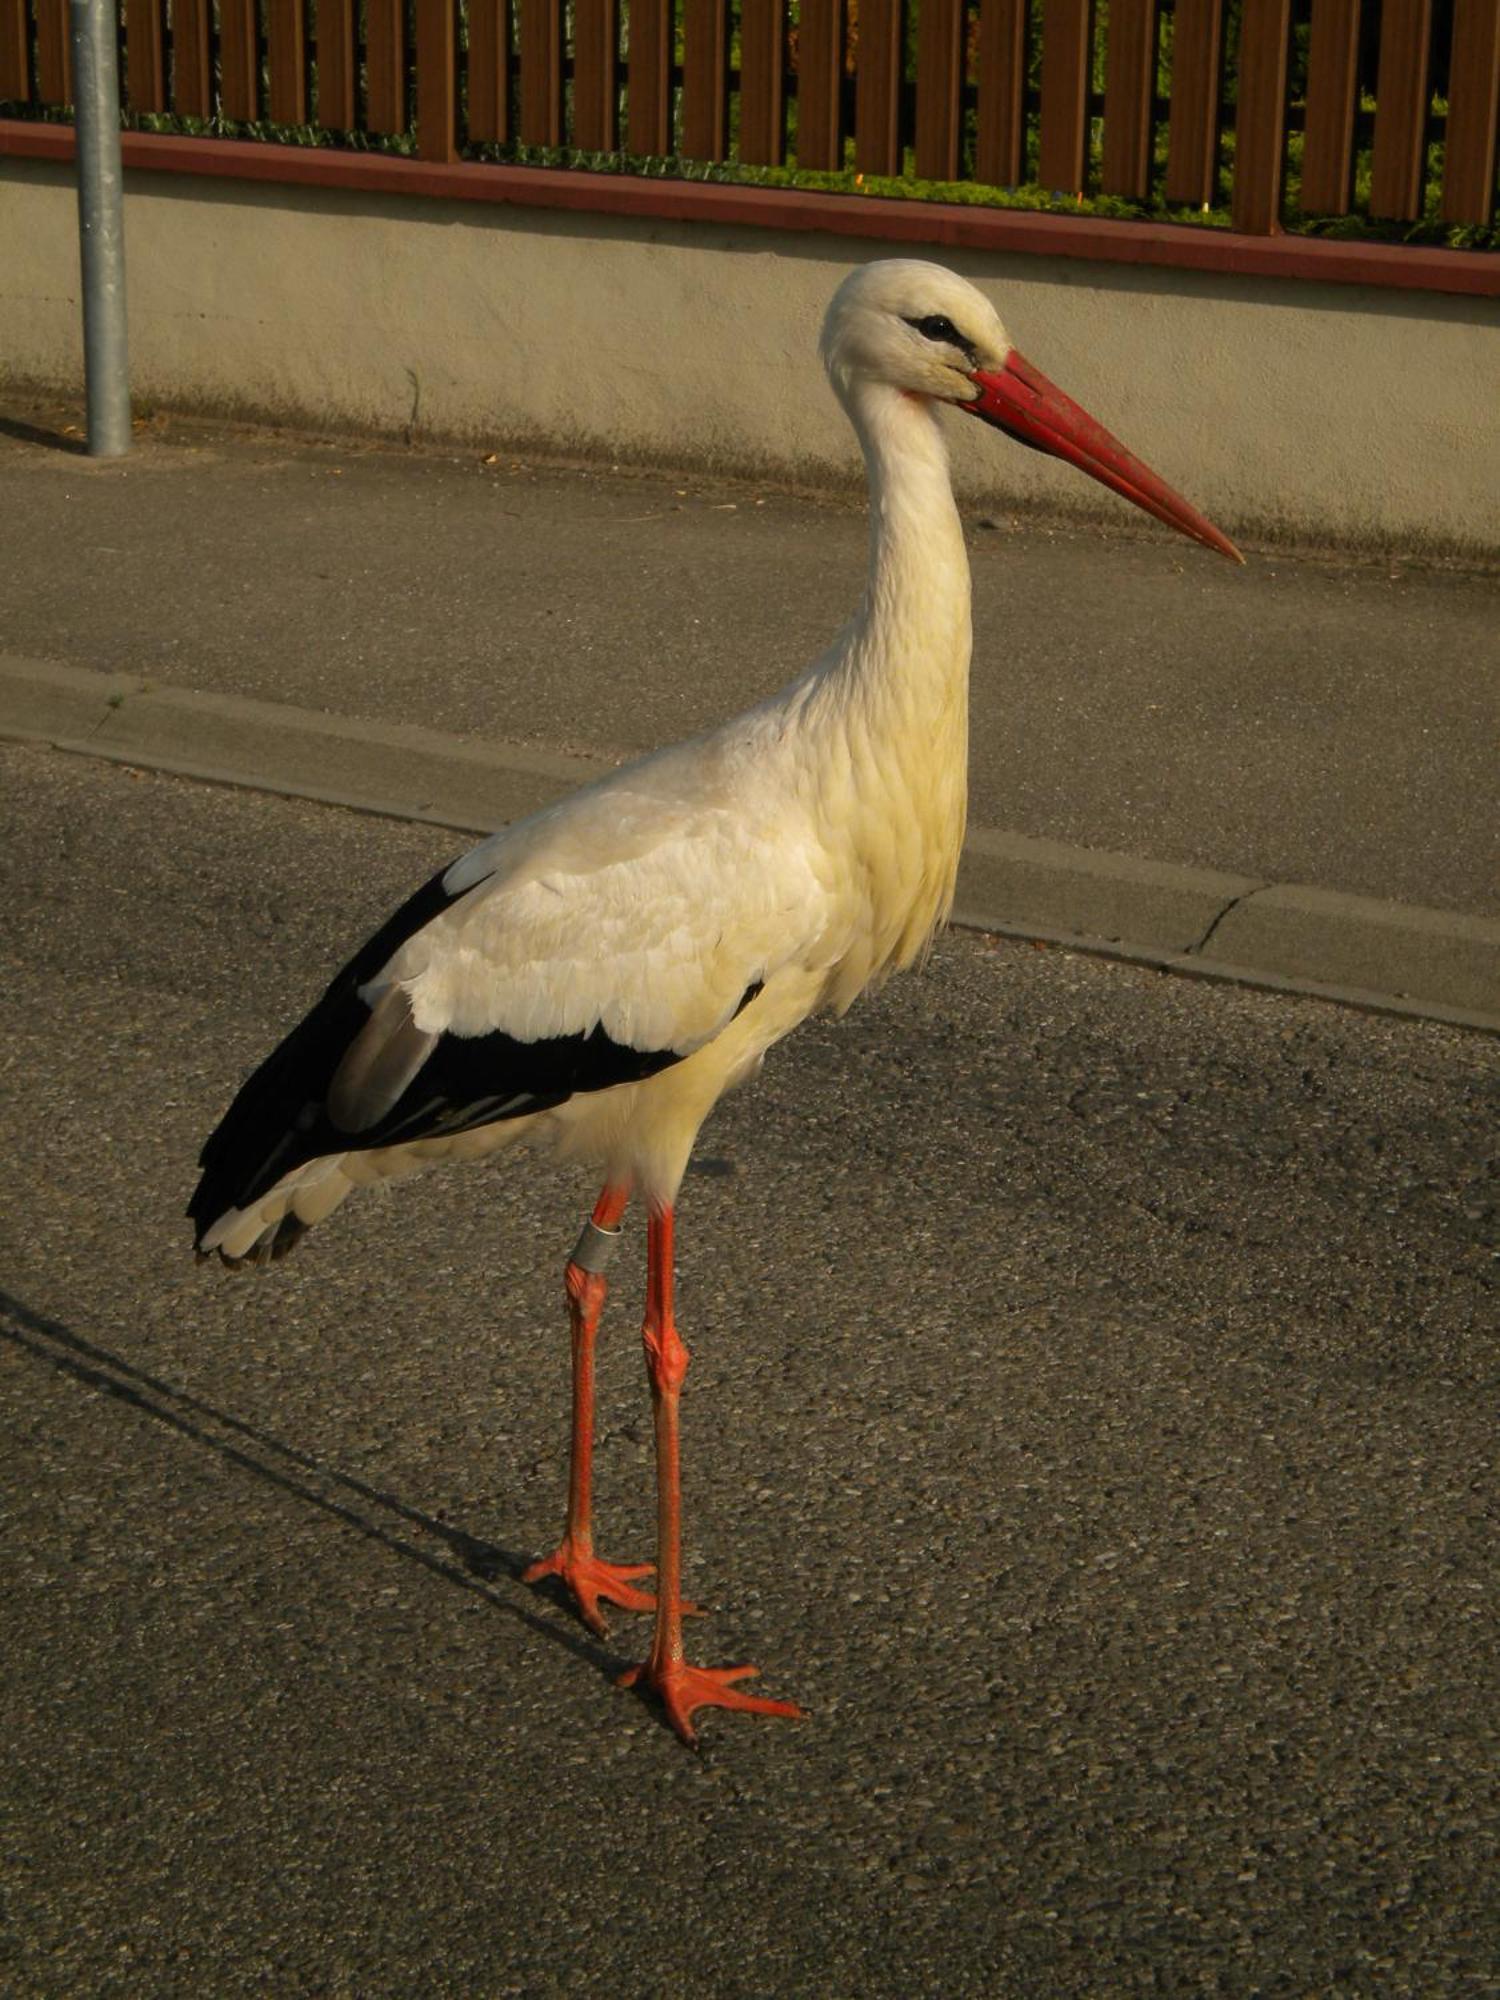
(586, 1575)
(682, 1688)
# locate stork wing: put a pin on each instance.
(649, 932)
(593, 945)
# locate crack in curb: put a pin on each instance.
(1194, 950)
(112, 707)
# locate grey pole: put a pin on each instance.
(101, 225)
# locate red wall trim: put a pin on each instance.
(1395, 266)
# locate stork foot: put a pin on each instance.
(588, 1578)
(684, 1690)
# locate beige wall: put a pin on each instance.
(1282, 406)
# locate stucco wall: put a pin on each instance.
(1278, 405)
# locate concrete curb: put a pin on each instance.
(1387, 957)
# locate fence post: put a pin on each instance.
(820, 70)
(649, 77)
(437, 80)
(539, 45)
(14, 85)
(705, 77)
(1397, 158)
(101, 224)
(286, 62)
(877, 87)
(1067, 44)
(1000, 98)
(940, 82)
(192, 58)
(54, 53)
(1332, 98)
(1260, 116)
(1129, 98)
(1473, 114)
(596, 94)
(1193, 116)
(145, 56)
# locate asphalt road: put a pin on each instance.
(1310, 719)
(1092, 1423)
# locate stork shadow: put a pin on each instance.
(460, 1559)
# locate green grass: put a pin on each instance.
(1032, 197)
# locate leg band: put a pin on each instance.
(594, 1247)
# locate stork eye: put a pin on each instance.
(937, 326)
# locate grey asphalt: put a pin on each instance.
(1309, 719)
(1091, 1423)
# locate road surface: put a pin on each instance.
(1091, 1422)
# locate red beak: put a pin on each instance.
(1019, 400)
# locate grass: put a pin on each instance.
(1429, 228)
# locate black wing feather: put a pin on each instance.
(280, 1120)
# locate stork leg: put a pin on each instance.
(588, 1577)
(683, 1689)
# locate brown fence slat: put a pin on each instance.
(540, 53)
(436, 28)
(145, 56)
(1260, 116)
(15, 86)
(877, 96)
(1067, 36)
(1401, 97)
(1193, 121)
(54, 53)
(1129, 98)
(940, 54)
(239, 59)
(192, 76)
(596, 75)
(648, 77)
(489, 71)
(1473, 113)
(335, 52)
(820, 74)
(1000, 60)
(705, 79)
(1332, 83)
(762, 141)
(286, 61)
(385, 66)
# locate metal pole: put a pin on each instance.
(101, 225)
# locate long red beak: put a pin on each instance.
(1019, 400)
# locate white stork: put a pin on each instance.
(595, 977)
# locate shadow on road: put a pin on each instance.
(474, 1565)
(24, 433)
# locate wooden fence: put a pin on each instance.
(1184, 101)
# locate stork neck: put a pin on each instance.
(918, 582)
(898, 692)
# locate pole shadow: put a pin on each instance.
(39, 434)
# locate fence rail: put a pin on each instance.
(1384, 108)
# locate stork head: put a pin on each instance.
(914, 326)
(926, 332)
